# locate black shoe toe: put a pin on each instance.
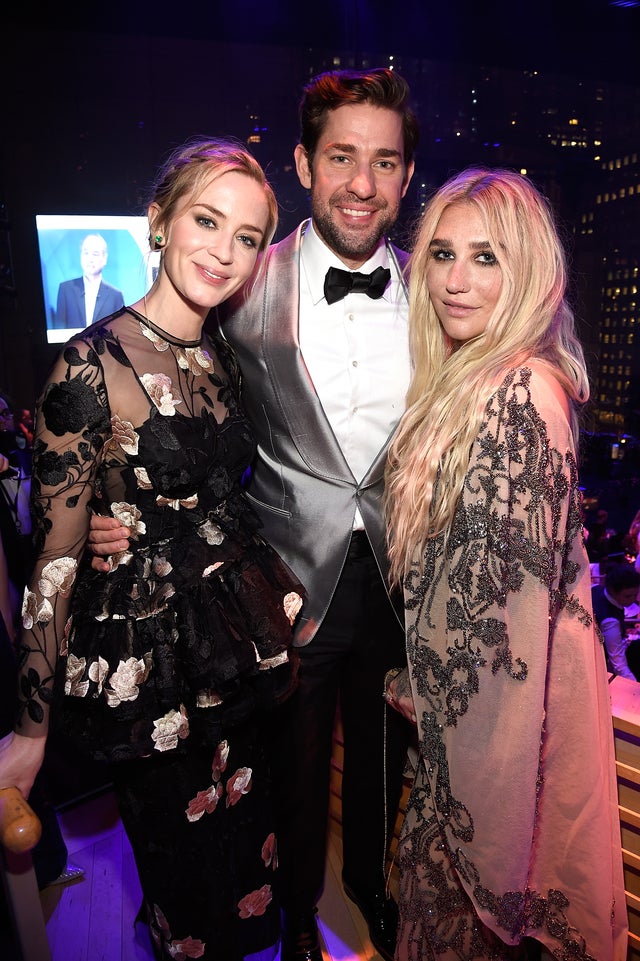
(300, 941)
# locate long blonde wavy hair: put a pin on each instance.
(449, 389)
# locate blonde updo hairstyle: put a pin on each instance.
(190, 168)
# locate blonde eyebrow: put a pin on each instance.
(474, 245)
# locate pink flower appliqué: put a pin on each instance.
(167, 729)
(220, 760)
(124, 435)
(270, 851)
(292, 604)
(57, 577)
(160, 390)
(205, 802)
(256, 903)
(194, 359)
(187, 948)
(238, 784)
(180, 950)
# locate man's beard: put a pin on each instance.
(350, 245)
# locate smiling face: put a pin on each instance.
(357, 179)
(463, 276)
(210, 248)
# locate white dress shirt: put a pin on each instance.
(356, 351)
(91, 288)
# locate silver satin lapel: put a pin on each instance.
(309, 428)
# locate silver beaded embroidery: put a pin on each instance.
(479, 564)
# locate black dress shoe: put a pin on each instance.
(381, 914)
(300, 941)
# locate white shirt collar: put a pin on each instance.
(613, 601)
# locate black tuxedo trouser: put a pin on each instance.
(342, 667)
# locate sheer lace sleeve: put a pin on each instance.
(72, 423)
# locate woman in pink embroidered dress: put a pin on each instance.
(511, 844)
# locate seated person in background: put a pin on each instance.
(620, 590)
(601, 537)
(24, 425)
(632, 540)
(85, 299)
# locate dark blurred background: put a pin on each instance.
(93, 99)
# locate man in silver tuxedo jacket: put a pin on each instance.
(325, 364)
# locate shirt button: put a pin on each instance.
(354, 363)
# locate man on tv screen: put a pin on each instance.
(85, 299)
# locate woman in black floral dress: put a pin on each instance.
(171, 666)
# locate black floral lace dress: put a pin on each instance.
(171, 665)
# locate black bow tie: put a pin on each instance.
(338, 283)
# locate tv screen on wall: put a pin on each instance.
(90, 266)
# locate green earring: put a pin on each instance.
(158, 238)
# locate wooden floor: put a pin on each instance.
(92, 919)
